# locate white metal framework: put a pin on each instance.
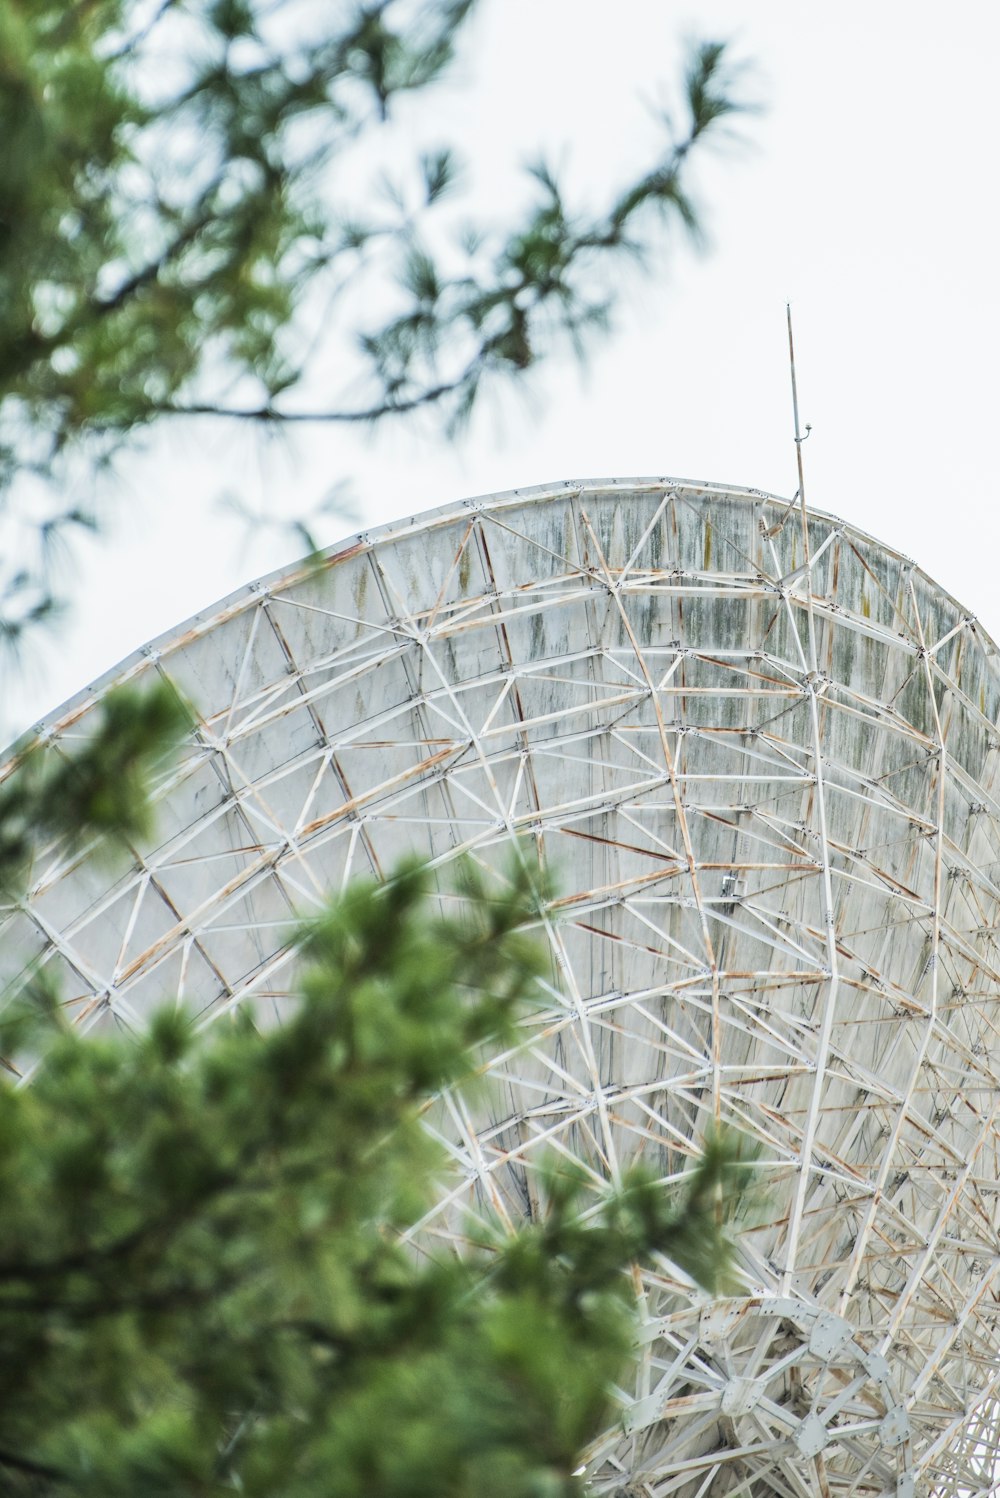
(764, 774)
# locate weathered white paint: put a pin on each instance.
(777, 850)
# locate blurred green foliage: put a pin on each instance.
(97, 795)
(180, 217)
(202, 1287)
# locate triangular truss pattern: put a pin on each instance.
(760, 763)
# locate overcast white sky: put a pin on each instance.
(866, 197)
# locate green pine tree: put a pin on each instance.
(202, 1289)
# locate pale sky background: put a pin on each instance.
(866, 195)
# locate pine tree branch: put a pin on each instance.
(17, 1463)
(271, 414)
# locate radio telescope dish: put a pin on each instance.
(764, 775)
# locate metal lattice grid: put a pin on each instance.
(765, 780)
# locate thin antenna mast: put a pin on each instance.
(799, 438)
(771, 531)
